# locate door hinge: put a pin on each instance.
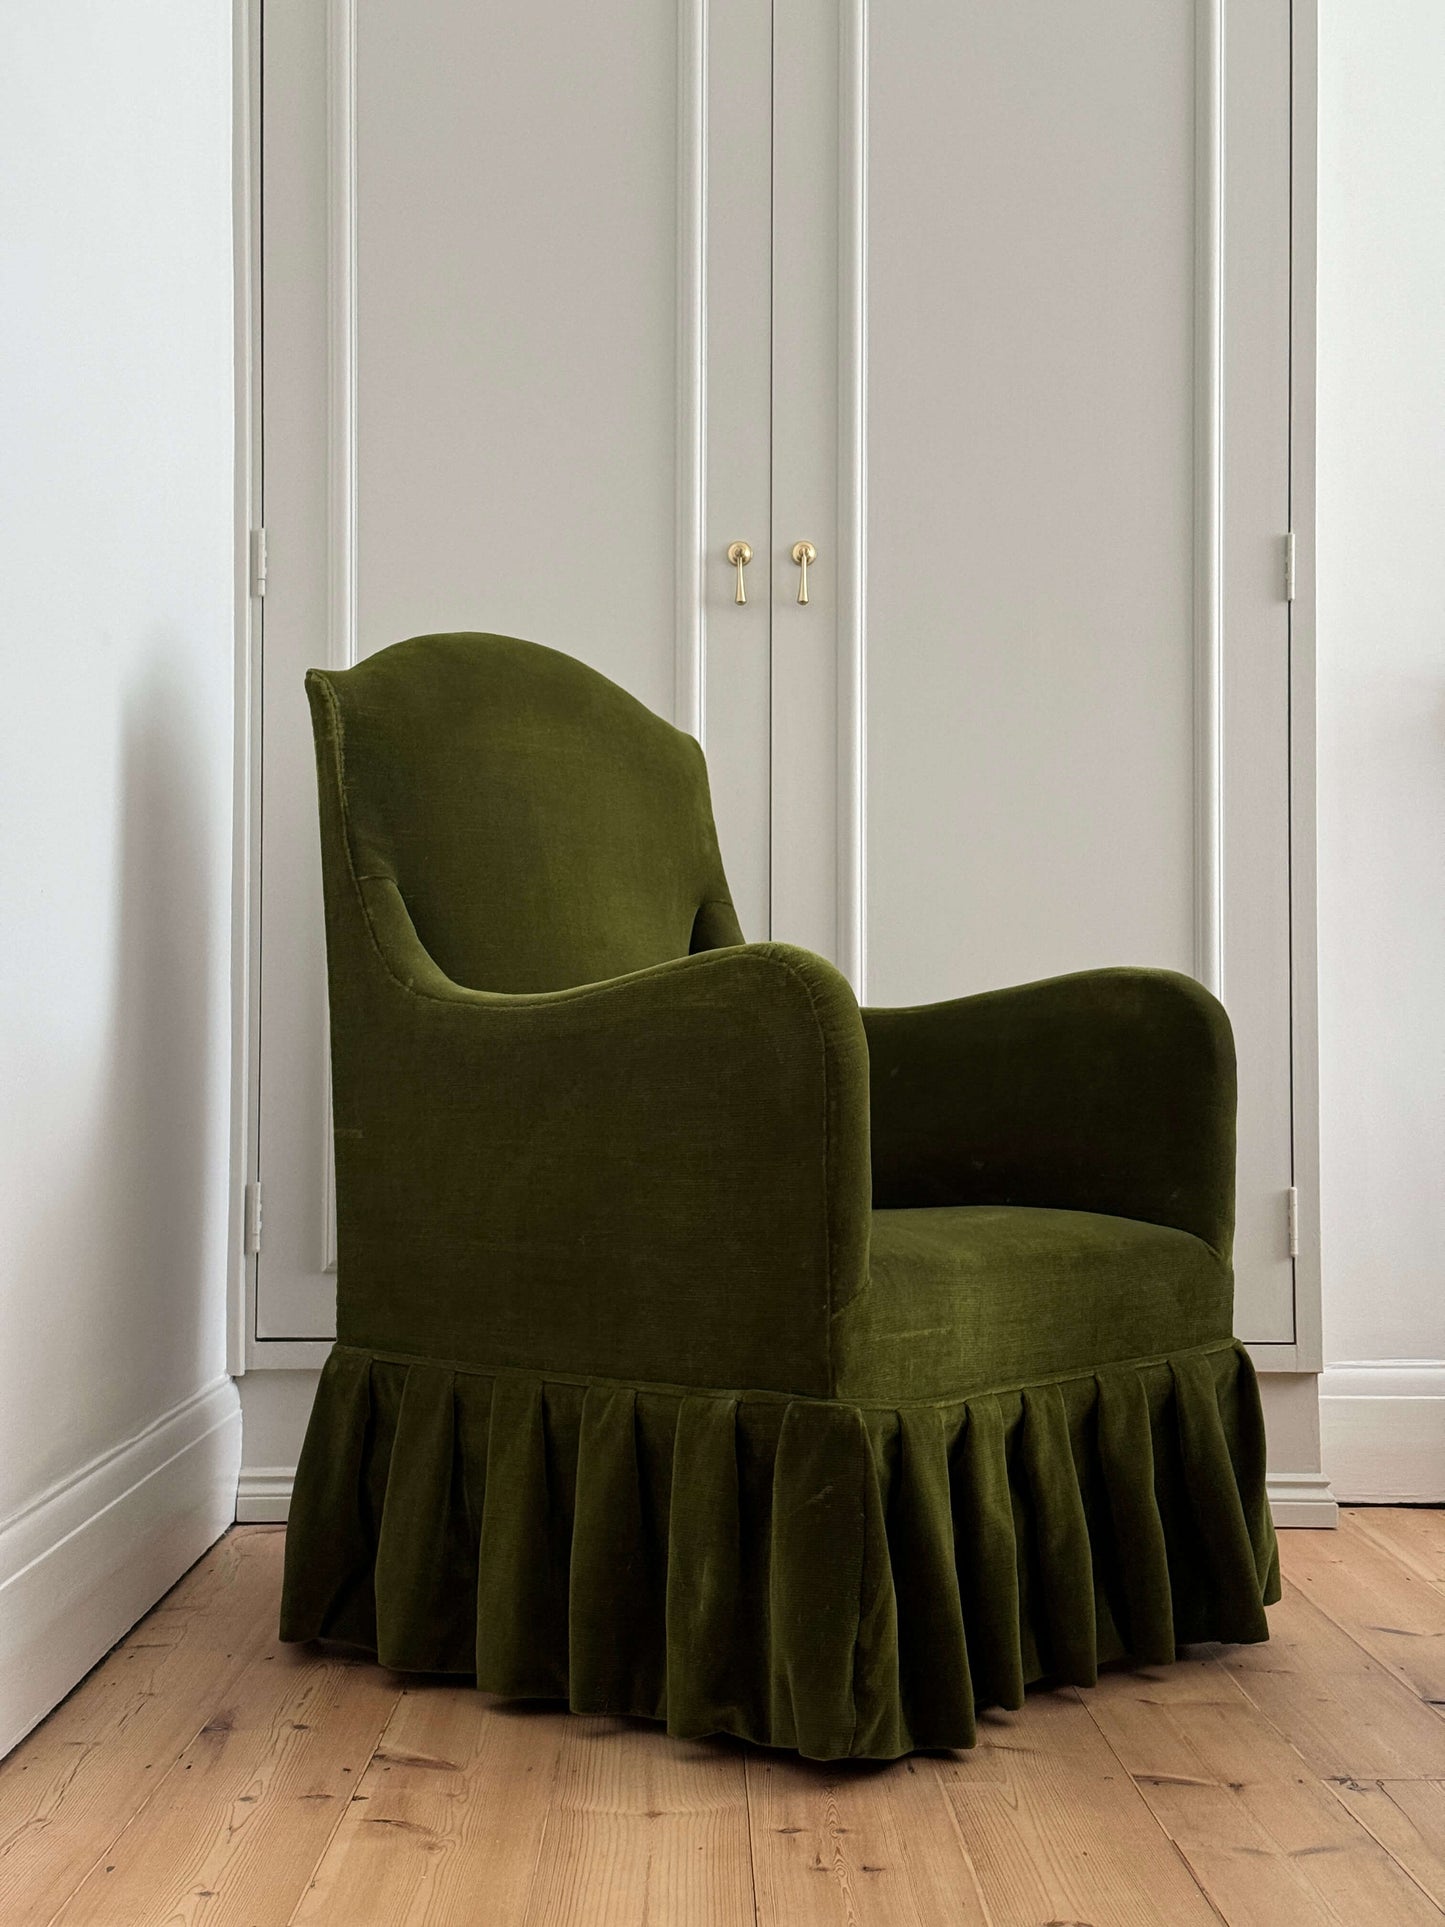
(253, 1219)
(258, 562)
(1291, 1219)
(1289, 566)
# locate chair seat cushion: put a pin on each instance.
(969, 1298)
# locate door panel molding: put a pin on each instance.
(1208, 496)
(341, 309)
(246, 788)
(342, 451)
(1304, 973)
(852, 470)
(690, 701)
(852, 538)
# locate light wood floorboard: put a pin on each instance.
(239, 1822)
(1407, 1817)
(452, 1807)
(641, 1832)
(1348, 1716)
(71, 1788)
(1058, 1829)
(1267, 1840)
(1374, 1596)
(827, 1849)
(204, 1774)
(1415, 1535)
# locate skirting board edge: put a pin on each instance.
(1302, 1499)
(1382, 1431)
(88, 1558)
(1295, 1498)
(263, 1496)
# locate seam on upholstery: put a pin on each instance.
(1126, 1217)
(862, 1576)
(339, 732)
(765, 1396)
(828, 1251)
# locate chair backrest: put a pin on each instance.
(543, 828)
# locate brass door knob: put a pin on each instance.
(803, 554)
(740, 554)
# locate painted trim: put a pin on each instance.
(1208, 497)
(1302, 1499)
(87, 1558)
(690, 621)
(289, 1354)
(246, 779)
(263, 1495)
(1295, 1498)
(1385, 1378)
(1271, 1355)
(341, 335)
(1382, 1430)
(852, 632)
(1304, 942)
(341, 425)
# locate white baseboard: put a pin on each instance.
(1382, 1430)
(83, 1562)
(263, 1496)
(1295, 1498)
(1302, 1499)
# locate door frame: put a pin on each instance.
(246, 784)
(244, 1349)
(1308, 1348)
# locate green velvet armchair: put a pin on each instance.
(712, 1350)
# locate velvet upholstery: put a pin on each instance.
(707, 1348)
(962, 1298)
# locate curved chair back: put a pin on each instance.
(543, 827)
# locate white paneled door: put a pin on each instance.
(988, 306)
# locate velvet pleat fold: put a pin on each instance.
(841, 1579)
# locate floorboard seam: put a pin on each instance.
(310, 1881)
(1174, 1845)
(1388, 1666)
(1333, 1787)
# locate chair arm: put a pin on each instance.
(660, 1177)
(1110, 1091)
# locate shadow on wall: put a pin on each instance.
(134, 1248)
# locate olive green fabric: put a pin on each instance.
(961, 1298)
(542, 827)
(839, 1578)
(636, 1399)
(1110, 1090)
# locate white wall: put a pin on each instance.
(1382, 744)
(117, 1425)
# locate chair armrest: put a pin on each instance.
(661, 1177)
(1111, 1091)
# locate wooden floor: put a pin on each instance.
(205, 1773)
